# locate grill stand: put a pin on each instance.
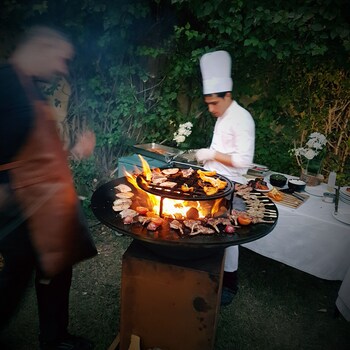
(169, 304)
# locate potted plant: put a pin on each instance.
(310, 158)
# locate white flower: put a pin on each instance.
(310, 154)
(187, 125)
(315, 143)
(183, 131)
(319, 137)
(179, 138)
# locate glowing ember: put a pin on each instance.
(178, 208)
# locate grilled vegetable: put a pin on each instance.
(206, 173)
(229, 229)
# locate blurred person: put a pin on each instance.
(232, 148)
(41, 223)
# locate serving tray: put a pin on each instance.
(291, 201)
(165, 153)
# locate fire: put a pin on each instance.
(131, 179)
(179, 208)
(146, 169)
(167, 207)
(152, 200)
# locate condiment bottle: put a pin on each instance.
(331, 181)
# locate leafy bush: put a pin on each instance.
(136, 74)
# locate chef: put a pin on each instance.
(232, 148)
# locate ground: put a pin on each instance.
(277, 307)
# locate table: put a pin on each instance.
(310, 239)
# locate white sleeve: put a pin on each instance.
(244, 141)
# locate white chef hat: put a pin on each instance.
(216, 72)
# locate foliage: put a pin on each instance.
(290, 64)
(136, 75)
(321, 104)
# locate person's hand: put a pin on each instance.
(84, 146)
(205, 154)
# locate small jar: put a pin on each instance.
(331, 181)
(328, 197)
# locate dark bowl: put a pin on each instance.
(278, 180)
(296, 185)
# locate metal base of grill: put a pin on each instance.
(169, 305)
(181, 253)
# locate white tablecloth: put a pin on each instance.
(310, 239)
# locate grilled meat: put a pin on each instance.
(176, 225)
(202, 229)
(191, 224)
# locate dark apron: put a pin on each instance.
(43, 186)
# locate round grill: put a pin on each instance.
(167, 241)
(175, 192)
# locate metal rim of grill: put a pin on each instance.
(166, 241)
(198, 193)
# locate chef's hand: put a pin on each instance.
(205, 154)
(84, 146)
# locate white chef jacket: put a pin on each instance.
(234, 134)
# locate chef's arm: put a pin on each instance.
(223, 158)
(206, 154)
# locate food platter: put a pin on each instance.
(345, 192)
(342, 217)
(258, 170)
(270, 187)
(345, 200)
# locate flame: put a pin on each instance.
(173, 208)
(146, 169)
(131, 179)
(215, 207)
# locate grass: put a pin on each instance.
(277, 307)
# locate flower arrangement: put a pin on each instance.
(183, 131)
(309, 157)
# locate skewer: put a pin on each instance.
(257, 208)
(266, 221)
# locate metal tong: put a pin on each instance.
(299, 196)
(170, 158)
